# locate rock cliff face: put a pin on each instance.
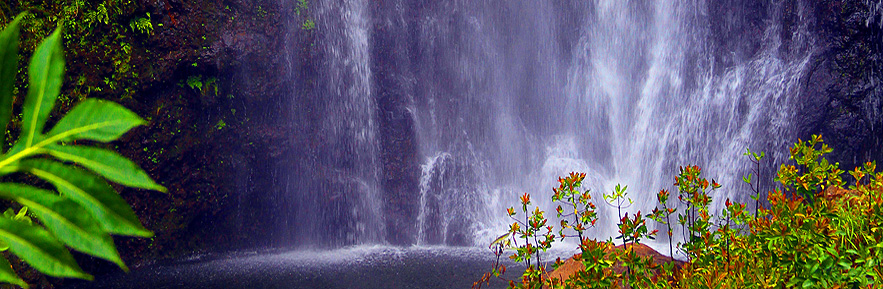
(841, 93)
(399, 150)
(844, 92)
(213, 86)
(210, 135)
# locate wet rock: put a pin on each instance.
(841, 99)
(459, 232)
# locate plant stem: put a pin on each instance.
(671, 251)
(622, 234)
(526, 237)
(757, 187)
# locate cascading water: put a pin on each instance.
(438, 114)
(670, 100)
(346, 167)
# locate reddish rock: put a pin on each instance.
(838, 195)
(571, 266)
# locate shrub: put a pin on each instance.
(814, 233)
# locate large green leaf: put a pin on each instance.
(95, 119)
(109, 164)
(46, 72)
(93, 193)
(8, 69)
(89, 208)
(39, 249)
(7, 275)
(67, 220)
(21, 216)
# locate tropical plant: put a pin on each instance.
(755, 159)
(663, 216)
(617, 199)
(84, 209)
(817, 233)
(578, 206)
(813, 172)
(812, 233)
(593, 255)
(142, 25)
(631, 231)
(535, 241)
(696, 221)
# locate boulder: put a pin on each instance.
(571, 266)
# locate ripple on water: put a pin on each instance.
(352, 267)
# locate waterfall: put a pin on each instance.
(437, 115)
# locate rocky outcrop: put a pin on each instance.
(392, 52)
(204, 77)
(571, 265)
(209, 139)
(840, 95)
(843, 98)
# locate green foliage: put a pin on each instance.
(814, 173)
(308, 25)
(97, 16)
(220, 124)
(819, 235)
(21, 216)
(755, 159)
(301, 7)
(598, 267)
(8, 69)
(695, 219)
(663, 216)
(195, 82)
(142, 25)
(617, 198)
(302, 10)
(261, 12)
(631, 231)
(203, 86)
(96, 33)
(85, 209)
(579, 205)
(91, 19)
(530, 230)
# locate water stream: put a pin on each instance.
(438, 115)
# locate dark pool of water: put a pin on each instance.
(359, 267)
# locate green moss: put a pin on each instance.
(142, 25)
(94, 34)
(220, 125)
(302, 9)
